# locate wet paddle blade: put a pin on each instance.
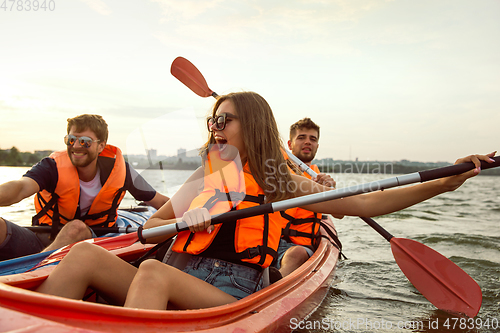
(188, 74)
(441, 281)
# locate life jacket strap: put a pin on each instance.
(111, 212)
(258, 199)
(287, 232)
(260, 250)
(48, 206)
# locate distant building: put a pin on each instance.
(152, 154)
(181, 152)
(193, 153)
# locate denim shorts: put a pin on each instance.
(283, 246)
(237, 280)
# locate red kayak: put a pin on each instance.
(272, 309)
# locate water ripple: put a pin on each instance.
(464, 240)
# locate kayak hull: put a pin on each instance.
(268, 310)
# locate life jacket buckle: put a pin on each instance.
(253, 252)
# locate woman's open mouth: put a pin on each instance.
(221, 143)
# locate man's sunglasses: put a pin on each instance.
(219, 122)
(84, 141)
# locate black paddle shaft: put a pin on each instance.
(377, 227)
(456, 169)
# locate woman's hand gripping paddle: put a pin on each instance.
(442, 282)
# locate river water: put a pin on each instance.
(370, 293)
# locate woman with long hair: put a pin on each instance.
(226, 259)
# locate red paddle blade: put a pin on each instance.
(109, 243)
(192, 78)
(442, 282)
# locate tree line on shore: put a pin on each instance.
(14, 157)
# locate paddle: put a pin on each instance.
(416, 177)
(188, 74)
(438, 279)
(304, 167)
(441, 281)
(439, 289)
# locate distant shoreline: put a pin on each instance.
(14, 158)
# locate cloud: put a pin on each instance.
(293, 27)
(166, 133)
(325, 28)
(98, 5)
(186, 10)
(298, 11)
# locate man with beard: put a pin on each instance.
(76, 188)
(300, 236)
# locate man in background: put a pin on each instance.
(300, 237)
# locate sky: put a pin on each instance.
(385, 80)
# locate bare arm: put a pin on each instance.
(388, 201)
(379, 203)
(14, 191)
(158, 200)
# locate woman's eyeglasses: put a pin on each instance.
(219, 122)
(84, 141)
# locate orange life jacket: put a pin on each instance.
(303, 225)
(62, 205)
(256, 238)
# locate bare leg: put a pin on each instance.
(72, 232)
(88, 265)
(3, 230)
(156, 285)
(293, 258)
